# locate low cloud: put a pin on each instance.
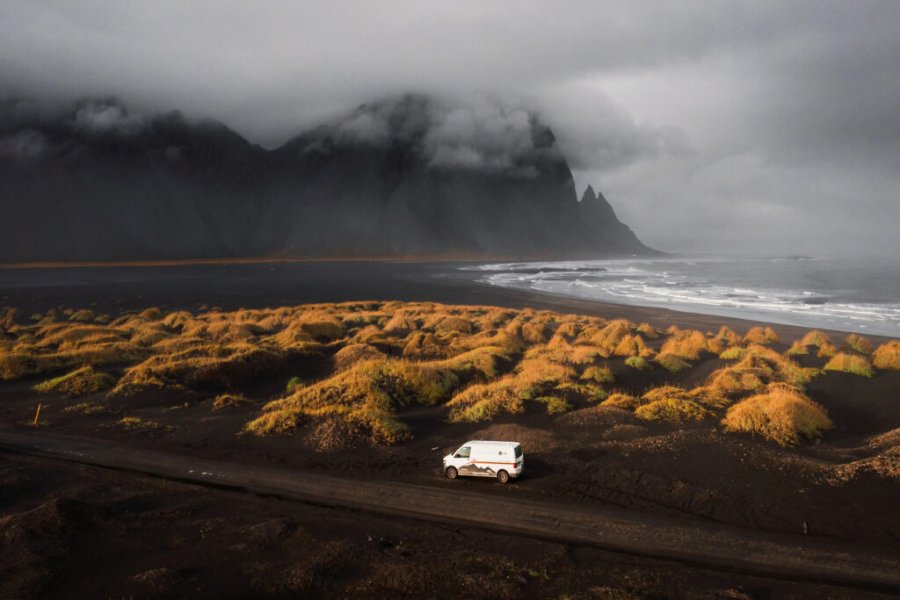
(26, 144)
(107, 117)
(476, 132)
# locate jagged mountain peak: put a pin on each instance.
(404, 176)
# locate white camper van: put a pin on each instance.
(486, 459)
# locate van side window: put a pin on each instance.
(464, 452)
(518, 451)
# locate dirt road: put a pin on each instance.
(806, 558)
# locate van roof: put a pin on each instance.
(489, 442)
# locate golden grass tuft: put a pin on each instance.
(687, 344)
(827, 350)
(887, 356)
(598, 375)
(648, 331)
(796, 349)
(554, 404)
(671, 362)
(621, 400)
(321, 326)
(780, 414)
(762, 336)
(83, 316)
(423, 345)
(211, 366)
(857, 343)
(725, 338)
(637, 362)
(351, 354)
(367, 394)
(672, 410)
(85, 408)
(632, 345)
(782, 368)
(733, 353)
(607, 338)
(80, 382)
(850, 363)
(140, 425)
(815, 338)
(223, 401)
(482, 402)
(733, 381)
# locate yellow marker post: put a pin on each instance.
(37, 415)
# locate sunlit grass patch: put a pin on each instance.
(850, 363)
(762, 336)
(637, 362)
(621, 400)
(80, 382)
(608, 337)
(632, 345)
(733, 353)
(815, 338)
(796, 349)
(672, 411)
(733, 381)
(780, 414)
(671, 362)
(555, 404)
(598, 375)
(724, 339)
(687, 344)
(229, 401)
(482, 402)
(857, 343)
(887, 356)
(138, 424)
(648, 331)
(86, 408)
(827, 350)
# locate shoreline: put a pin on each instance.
(266, 283)
(262, 260)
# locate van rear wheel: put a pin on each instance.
(502, 476)
(451, 472)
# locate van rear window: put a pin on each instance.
(518, 451)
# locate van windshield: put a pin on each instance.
(518, 451)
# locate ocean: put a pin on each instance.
(855, 295)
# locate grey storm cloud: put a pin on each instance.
(711, 126)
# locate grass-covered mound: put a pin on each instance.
(781, 414)
(80, 382)
(887, 356)
(352, 369)
(846, 362)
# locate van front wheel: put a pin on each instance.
(502, 476)
(451, 472)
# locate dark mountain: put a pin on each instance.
(404, 177)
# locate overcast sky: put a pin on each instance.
(754, 127)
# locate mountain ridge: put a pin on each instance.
(402, 177)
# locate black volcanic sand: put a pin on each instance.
(157, 539)
(81, 532)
